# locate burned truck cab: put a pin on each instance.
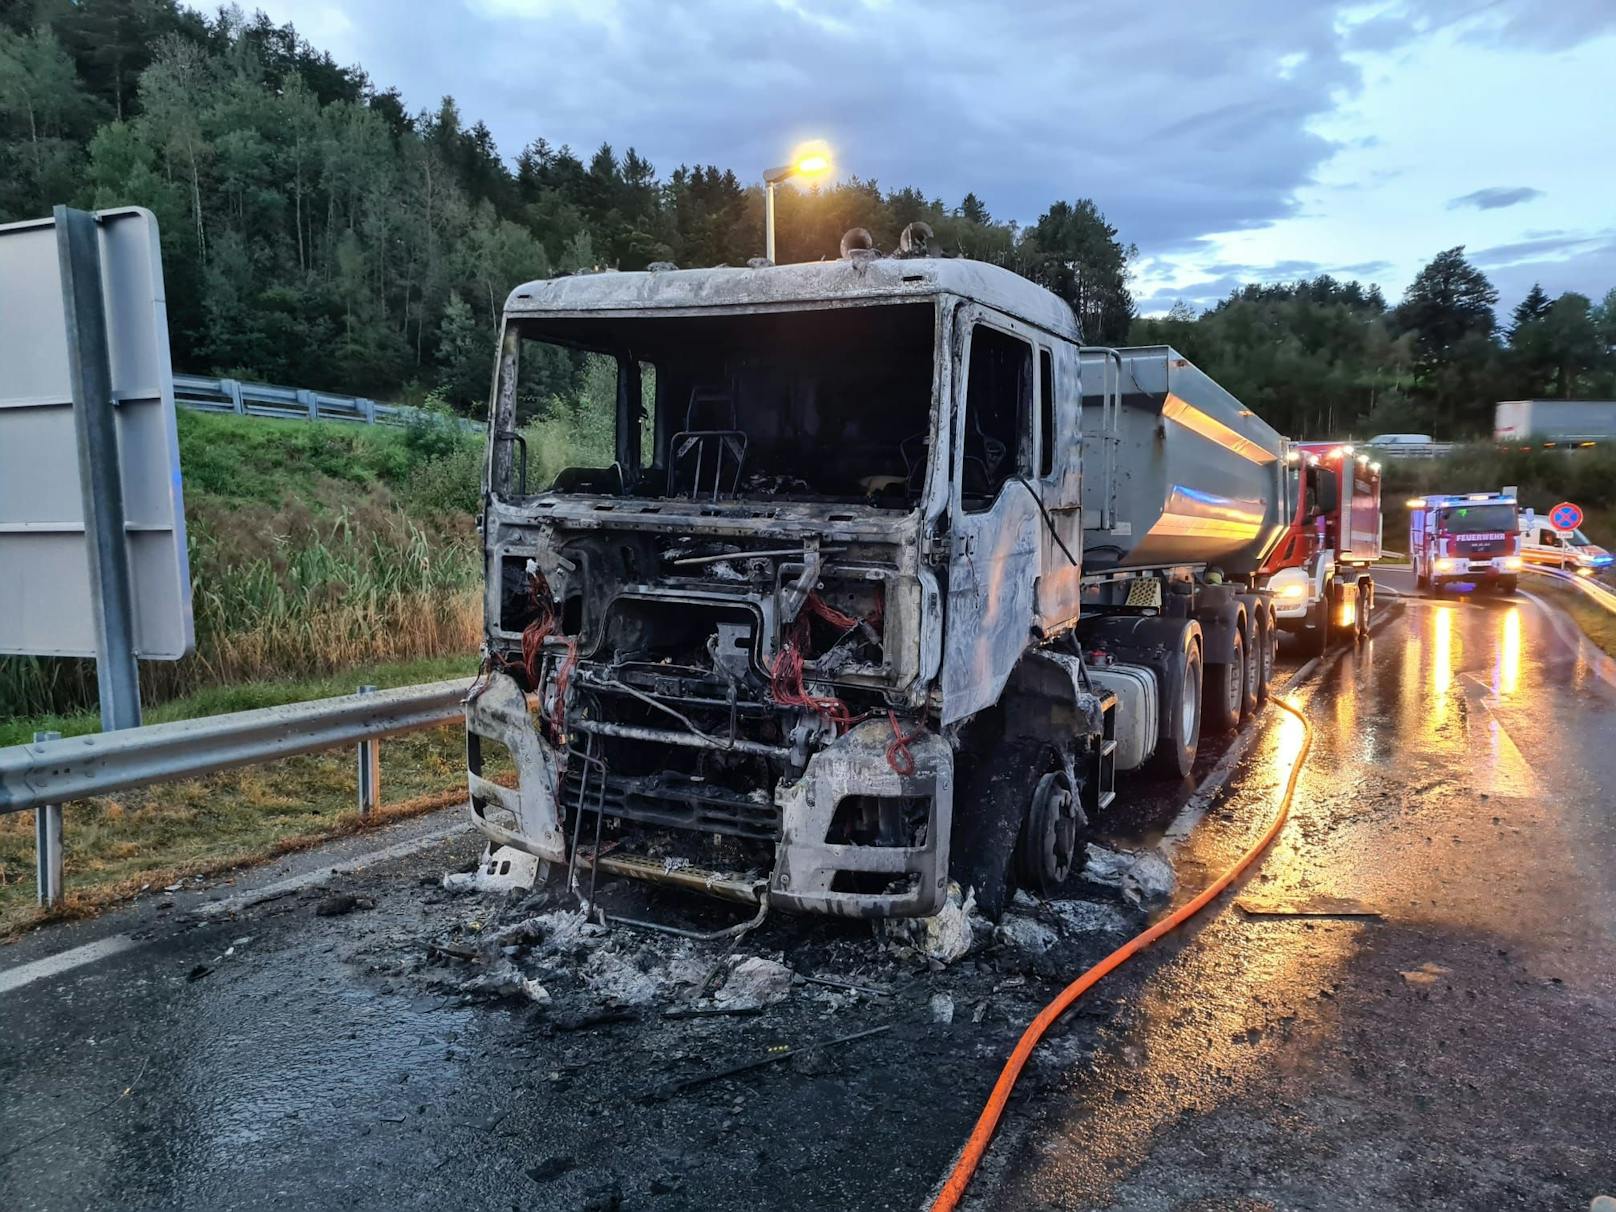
(735, 654)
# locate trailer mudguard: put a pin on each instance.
(1219, 616)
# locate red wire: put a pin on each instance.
(563, 678)
(898, 747)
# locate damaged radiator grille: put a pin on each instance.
(675, 801)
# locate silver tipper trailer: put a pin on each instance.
(888, 578)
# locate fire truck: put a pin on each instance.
(1470, 538)
(1320, 573)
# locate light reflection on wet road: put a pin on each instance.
(1458, 1050)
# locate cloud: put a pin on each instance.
(1543, 248)
(1362, 269)
(1206, 133)
(1211, 129)
(1514, 24)
(1495, 197)
(1591, 272)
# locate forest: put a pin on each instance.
(318, 232)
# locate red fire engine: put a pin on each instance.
(1321, 570)
(1471, 538)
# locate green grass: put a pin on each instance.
(248, 696)
(1597, 623)
(323, 555)
(270, 462)
(156, 835)
(115, 845)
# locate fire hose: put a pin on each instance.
(976, 1145)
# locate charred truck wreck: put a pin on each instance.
(888, 579)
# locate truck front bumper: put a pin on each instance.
(1291, 613)
(811, 872)
(1452, 570)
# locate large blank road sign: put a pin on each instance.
(46, 606)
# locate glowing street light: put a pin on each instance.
(811, 160)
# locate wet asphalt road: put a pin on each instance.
(1457, 1049)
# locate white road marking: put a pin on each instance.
(89, 953)
(64, 961)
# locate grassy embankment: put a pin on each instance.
(1597, 623)
(322, 556)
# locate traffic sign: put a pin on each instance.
(1565, 516)
(92, 521)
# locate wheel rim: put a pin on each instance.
(1055, 824)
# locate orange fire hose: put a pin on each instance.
(977, 1144)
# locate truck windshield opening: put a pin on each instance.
(1479, 519)
(824, 405)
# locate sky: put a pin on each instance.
(1231, 142)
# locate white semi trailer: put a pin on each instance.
(1561, 423)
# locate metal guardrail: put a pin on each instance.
(291, 403)
(1411, 450)
(1589, 587)
(51, 771)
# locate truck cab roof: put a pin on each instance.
(777, 287)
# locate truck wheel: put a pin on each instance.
(1421, 579)
(993, 793)
(1366, 605)
(1254, 675)
(1316, 629)
(1225, 691)
(1267, 652)
(1180, 732)
(1051, 836)
(1507, 585)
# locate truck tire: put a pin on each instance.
(1315, 632)
(995, 783)
(1422, 579)
(1267, 646)
(1366, 606)
(1180, 733)
(1507, 585)
(1255, 672)
(1224, 695)
(1249, 701)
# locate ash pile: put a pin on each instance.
(498, 941)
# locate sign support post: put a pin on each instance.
(95, 425)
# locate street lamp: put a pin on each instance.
(812, 160)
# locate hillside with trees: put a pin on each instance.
(317, 232)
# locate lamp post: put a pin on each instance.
(811, 161)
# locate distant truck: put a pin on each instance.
(889, 576)
(1568, 423)
(1544, 546)
(1469, 538)
(1321, 571)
